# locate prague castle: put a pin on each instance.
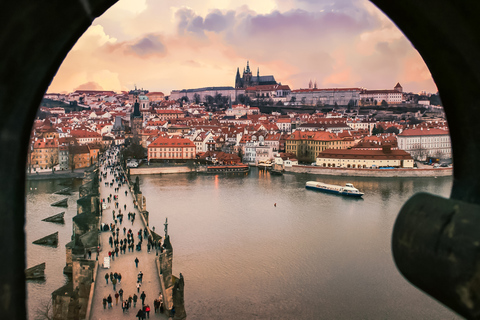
(247, 80)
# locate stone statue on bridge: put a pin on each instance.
(178, 298)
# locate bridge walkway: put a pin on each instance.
(124, 263)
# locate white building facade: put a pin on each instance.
(422, 143)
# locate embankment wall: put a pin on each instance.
(385, 173)
(160, 170)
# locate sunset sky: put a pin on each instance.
(162, 45)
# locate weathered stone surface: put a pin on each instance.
(57, 218)
(436, 238)
(178, 298)
(50, 240)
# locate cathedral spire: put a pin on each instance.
(248, 67)
(238, 80)
(258, 73)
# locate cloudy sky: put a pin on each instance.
(162, 45)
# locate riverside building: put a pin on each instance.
(423, 143)
(365, 158)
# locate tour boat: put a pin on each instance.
(233, 168)
(347, 190)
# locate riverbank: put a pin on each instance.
(426, 171)
(78, 173)
(379, 173)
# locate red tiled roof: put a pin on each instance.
(315, 135)
(330, 89)
(424, 132)
(365, 154)
(173, 142)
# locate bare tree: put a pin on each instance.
(418, 152)
(52, 162)
(45, 311)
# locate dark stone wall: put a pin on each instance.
(36, 36)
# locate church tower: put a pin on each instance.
(247, 76)
(136, 120)
(238, 80)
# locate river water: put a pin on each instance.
(313, 256)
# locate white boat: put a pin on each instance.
(347, 190)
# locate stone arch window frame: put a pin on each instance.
(456, 65)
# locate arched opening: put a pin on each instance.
(456, 81)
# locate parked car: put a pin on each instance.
(132, 164)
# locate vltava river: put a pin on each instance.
(313, 256)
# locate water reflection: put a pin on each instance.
(311, 256)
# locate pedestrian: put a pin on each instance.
(124, 306)
(140, 314)
(104, 302)
(120, 292)
(116, 298)
(109, 300)
(143, 296)
(136, 262)
(156, 305)
(114, 282)
(130, 301)
(89, 254)
(119, 278)
(135, 298)
(138, 286)
(106, 277)
(147, 311)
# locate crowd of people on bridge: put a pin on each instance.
(123, 242)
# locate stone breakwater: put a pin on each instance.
(160, 170)
(379, 173)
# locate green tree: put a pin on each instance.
(209, 99)
(350, 105)
(196, 98)
(392, 129)
(240, 153)
(384, 103)
(135, 151)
